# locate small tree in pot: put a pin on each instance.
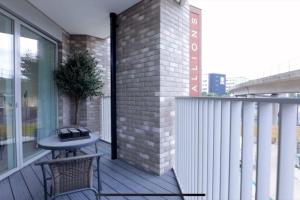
(79, 78)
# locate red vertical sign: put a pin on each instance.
(195, 51)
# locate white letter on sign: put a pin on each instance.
(194, 21)
(194, 47)
(195, 68)
(195, 34)
(195, 88)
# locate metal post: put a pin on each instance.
(113, 26)
(45, 183)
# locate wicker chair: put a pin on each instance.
(69, 175)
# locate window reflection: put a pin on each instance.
(37, 92)
(7, 133)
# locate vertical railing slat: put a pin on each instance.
(178, 151)
(204, 147)
(210, 148)
(217, 150)
(225, 138)
(200, 154)
(287, 150)
(235, 142)
(264, 151)
(247, 150)
(187, 146)
(105, 119)
(185, 139)
(194, 109)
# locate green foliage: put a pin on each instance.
(79, 77)
(205, 94)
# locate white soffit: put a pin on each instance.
(89, 17)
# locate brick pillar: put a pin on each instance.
(152, 68)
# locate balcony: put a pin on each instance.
(238, 148)
(228, 148)
(117, 178)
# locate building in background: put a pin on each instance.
(231, 82)
(217, 84)
(204, 82)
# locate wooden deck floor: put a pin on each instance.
(116, 175)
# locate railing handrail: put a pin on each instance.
(250, 99)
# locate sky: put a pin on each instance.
(250, 38)
(27, 45)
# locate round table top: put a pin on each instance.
(54, 143)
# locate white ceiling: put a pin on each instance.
(89, 17)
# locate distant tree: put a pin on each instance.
(29, 63)
(204, 94)
(80, 78)
(207, 94)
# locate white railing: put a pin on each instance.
(105, 119)
(224, 148)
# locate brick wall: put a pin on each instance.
(174, 72)
(64, 103)
(152, 68)
(89, 109)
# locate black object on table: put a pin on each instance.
(68, 134)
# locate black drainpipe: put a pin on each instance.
(113, 65)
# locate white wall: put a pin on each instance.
(23, 9)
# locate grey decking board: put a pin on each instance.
(117, 177)
(19, 187)
(130, 175)
(146, 186)
(154, 188)
(108, 189)
(65, 197)
(38, 171)
(32, 182)
(149, 185)
(79, 195)
(117, 186)
(136, 188)
(152, 178)
(5, 190)
(91, 196)
(168, 177)
(157, 180)
(109, 168)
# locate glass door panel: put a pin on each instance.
(37, 89)
(7, 128)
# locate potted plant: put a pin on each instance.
(79, 78)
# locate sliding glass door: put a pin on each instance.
(37, 92)
(7, 130)
(27, 94)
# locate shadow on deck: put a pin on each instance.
(117, 177)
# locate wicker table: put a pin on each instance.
(53, 143)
